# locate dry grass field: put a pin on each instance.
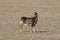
(48, 26)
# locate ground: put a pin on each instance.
(48, 26)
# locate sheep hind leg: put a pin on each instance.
(31, 30)
(21, 28)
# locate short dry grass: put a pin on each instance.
(48, 26)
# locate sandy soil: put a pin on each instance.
(48, 26)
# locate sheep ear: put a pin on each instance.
(35, 13)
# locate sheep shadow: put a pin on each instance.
(40, 31)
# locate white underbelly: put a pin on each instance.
(25, 24)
